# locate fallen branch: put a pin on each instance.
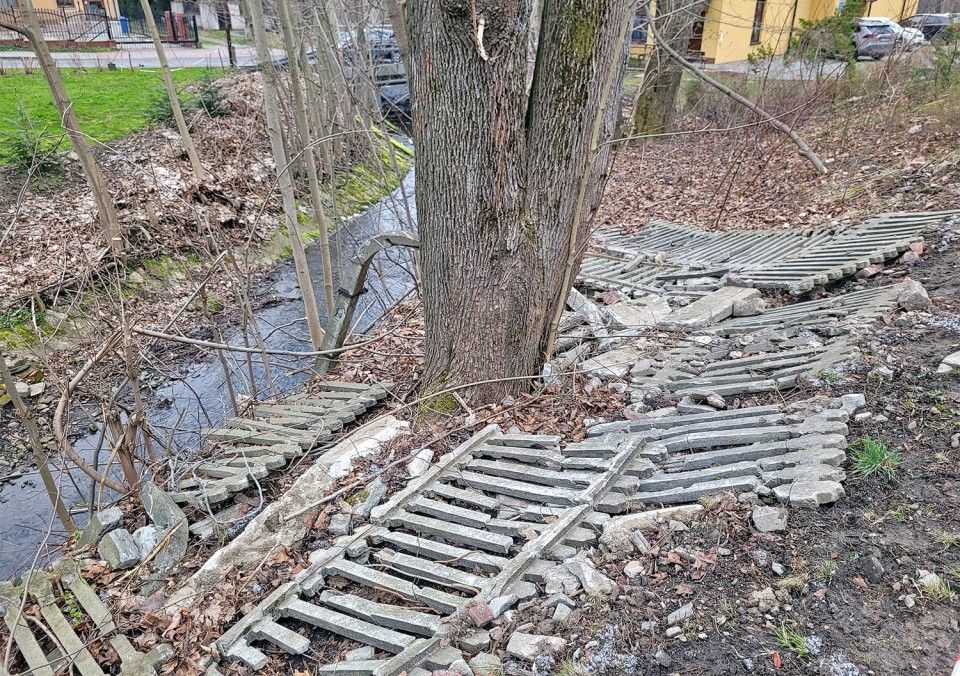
(802, 146)
(253, 350)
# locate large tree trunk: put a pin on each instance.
(507, 183)
(655, 106)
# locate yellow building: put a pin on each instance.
(107, 8)
(730, 30)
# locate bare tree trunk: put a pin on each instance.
(274, 130)
(803, 148)
(185, 137)
(289, 28)
(507, 183)
(39, 455)
(98, 186)
(655, 106)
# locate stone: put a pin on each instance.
(501, 604)
(914, 297)
(485, 664)
(474, 642)
(460, 667)
(147, 538)
(529, 646)
(810, 494)
(949, 363)
(680, 614)
(594, 582)
(616, 531)
(559, 580)
(852, 402)
(769, 519)
(100, 524)
(376, 492)
(764, 600)
(862, 417)
(673, 632)
(341, 524)
(365, 653)
(523, 590)
(777, 568)
(688, 405)
(171, 521)
(420, 463)
(749, 307)
(910, 258)
(480, 614)
(634, 313)
(634, 569)
(872, 569)
(559, 599)
(910, 600)
(612, 365)
(119, 549)
(561, 613)
(643, 368)
(663, 659)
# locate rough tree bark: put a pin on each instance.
(98, 186)
(503, 176)
(655, 105)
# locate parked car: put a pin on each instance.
(382, 43)
(873, 38)
(931, 25)
(906, 36)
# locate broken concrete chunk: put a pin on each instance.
(949, 363)
(376, 492)
(612, 365)
(119, 550)
(710, 309)
(169, 519)
(147, 538)
(914, 297)
(475, 641)
(100, 524)
(594, 582)
(769, 519)
(748, 307)
(616, 532)
(530, 646)
(851, 402)
(420, 463)
(485, 664)
(561, 613)
(810, 494)
(680, 614)
(634, 313)
(341, 524)
(365, 653)
(559, 580)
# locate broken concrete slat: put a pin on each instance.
(442, 601)
(269, 462)
(697, 491)
(708, 310)
(133, 663)
(41, 590)
(393, 617)
(431, 571)
(285, 639)
(222, 519)
(633, 426)
(472, 537)
(510, 470)
(590, 449)
(545, 458)
(96, 609)
(346, 626)
(518, 489)
(463, 495)
(352, 668)
(440, 551)
(754, 452)
(545, 441)
(266, 438)
(442, 510)
(666, 481)
(223, 471)
(26, 642)
(252, 657)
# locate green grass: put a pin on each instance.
(109, 104)
(791, 640)
(871, 456)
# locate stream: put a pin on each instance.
(196, 397)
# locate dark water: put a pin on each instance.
(197, 397)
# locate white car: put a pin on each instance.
(907, 37)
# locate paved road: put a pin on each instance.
(211, 55)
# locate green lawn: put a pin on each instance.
(109, 104)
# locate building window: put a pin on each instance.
(757, 22)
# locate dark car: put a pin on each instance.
(932, 25)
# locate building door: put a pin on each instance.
(695, 45)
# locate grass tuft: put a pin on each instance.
(791, 640)
(946, 539)
(871, 456)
